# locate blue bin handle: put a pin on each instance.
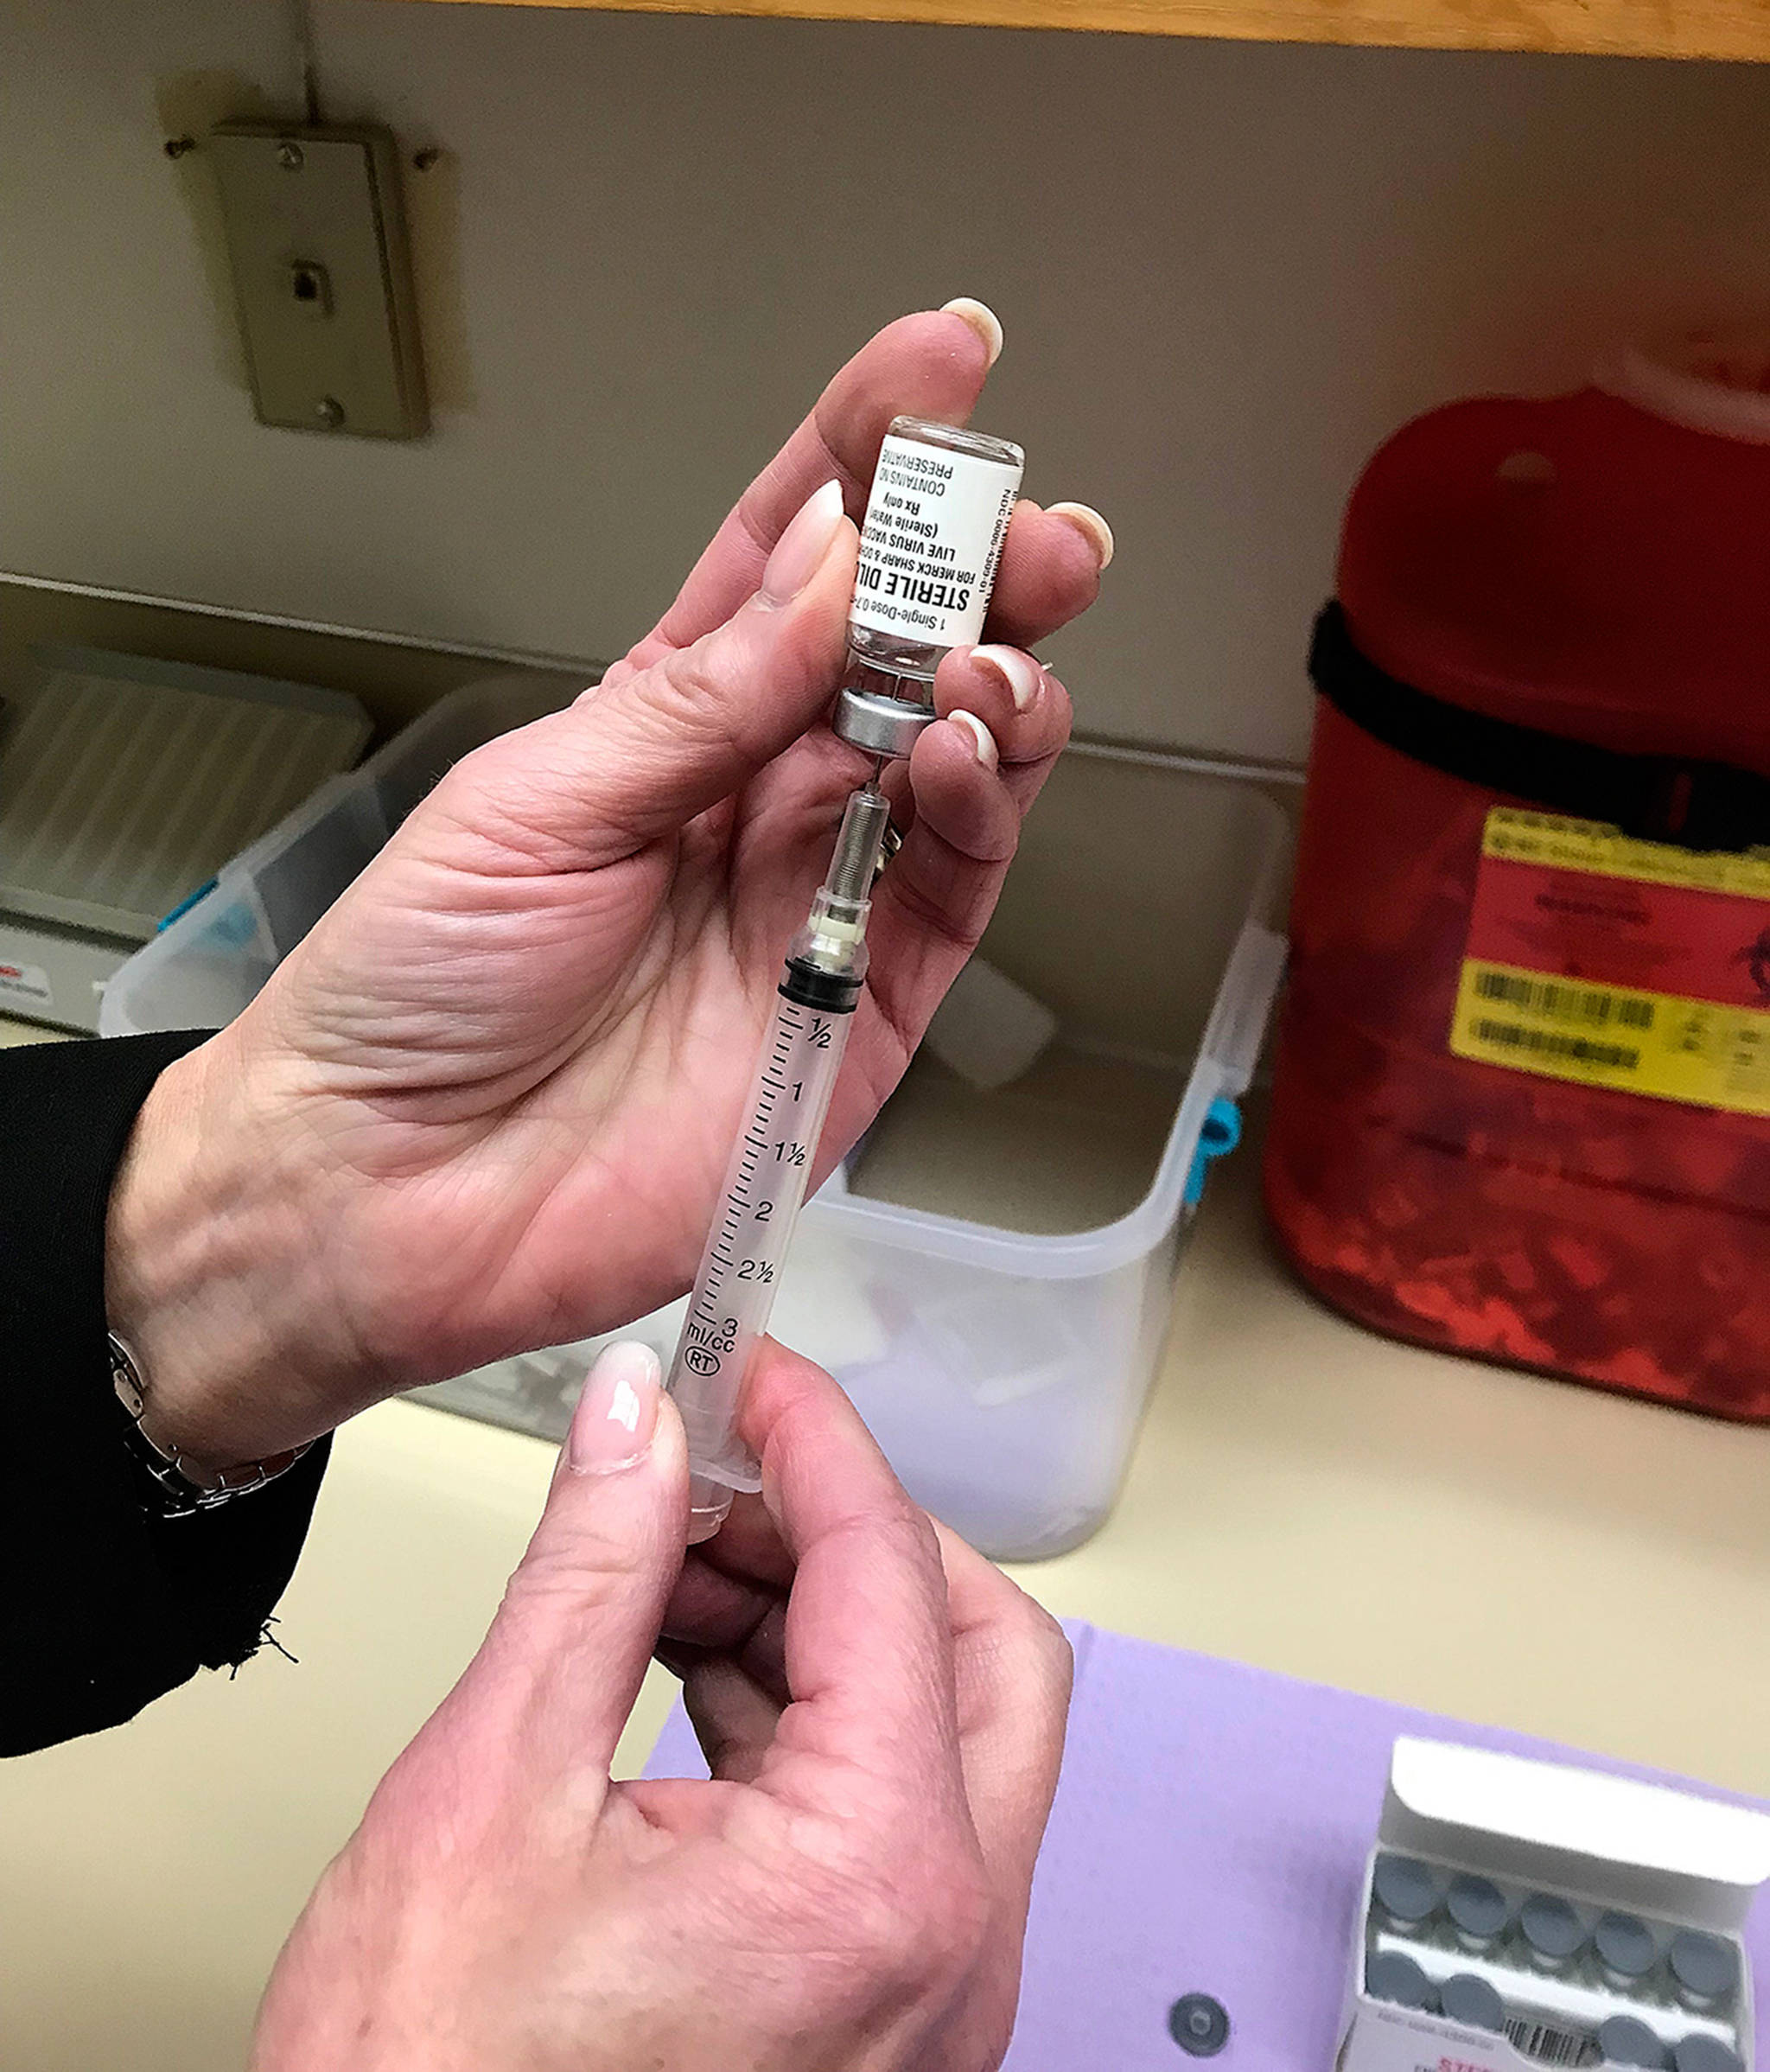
(1220, 1134)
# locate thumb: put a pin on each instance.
(558, 1674)
(638, 755)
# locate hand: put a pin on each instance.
(487, 1105)
(848, 1894)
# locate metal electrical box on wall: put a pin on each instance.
(322, 280)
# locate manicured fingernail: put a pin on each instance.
(982, 319)
(982, 741)
(1086, 520)
(798, 553)
(1020, 672)
(617, 1413)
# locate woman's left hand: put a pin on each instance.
(487, 1103)
(883, 1715)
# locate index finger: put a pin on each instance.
(873, 1725)
(930, 364)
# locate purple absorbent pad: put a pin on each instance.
(1209, 1836)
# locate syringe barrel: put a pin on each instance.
(734, 1292)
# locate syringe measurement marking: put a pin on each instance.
(773, 1085)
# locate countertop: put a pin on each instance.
(1303, 1496)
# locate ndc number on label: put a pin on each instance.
(1564, 1003)
(1579, 1051)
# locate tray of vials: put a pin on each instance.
(1520, 1914)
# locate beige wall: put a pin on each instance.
(1224, 270)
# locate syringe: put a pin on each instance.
(771, 1167)
(941, 500)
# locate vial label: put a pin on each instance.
(935, 523)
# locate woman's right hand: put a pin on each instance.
(488, 1102)
(883, 1714)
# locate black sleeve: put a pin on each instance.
(102, 1606)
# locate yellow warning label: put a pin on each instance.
(1611, 962)
(1660, 1044)
(1520, 836)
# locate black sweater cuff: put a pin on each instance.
(102, 1606)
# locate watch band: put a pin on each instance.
(180, 1489)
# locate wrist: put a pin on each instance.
(201, 1244)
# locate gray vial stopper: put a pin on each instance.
(1625, 2041)
(1551, 1927)
(1706, 1968)
(1391, 1976)
(1625, 1945)
(1199, 2024)
(1404, 1888)
(1476, 1905)
(1705, 2054)
(1472, 2001)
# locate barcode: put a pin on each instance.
(1581, 1051)
(1564, 1003)
(1550, 2045)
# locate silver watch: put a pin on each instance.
(180, 1489)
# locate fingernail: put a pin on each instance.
(1086, 519)
(617, 1413)
(798, 553)
(982, 319)
(982, 741)
(1019, 671)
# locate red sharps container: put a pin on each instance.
(1522, 1096)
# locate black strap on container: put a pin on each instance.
(1688, 804)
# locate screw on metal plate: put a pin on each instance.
(422, 161)
(290, 157)
(1199, 2024)
(329, 411)
(175, 147)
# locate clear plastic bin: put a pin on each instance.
(1000, 1322)
(204, 967)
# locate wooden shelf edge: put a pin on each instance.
(1672, 29)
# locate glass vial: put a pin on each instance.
(1624, 1948)
(1473, 2002)
(936, 519)
(1478, 1911)
(1625, 2041)
(1550, 1932)
(1705, 2054)
(1391, 1975)
(1406, 1892)
(1704, 1970)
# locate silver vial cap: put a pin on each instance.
(882, 725)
